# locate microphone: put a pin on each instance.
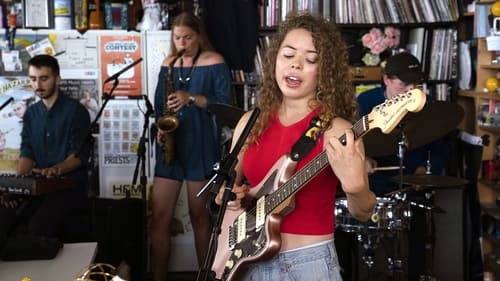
(149, 106)
(9, 100)
(116, 75)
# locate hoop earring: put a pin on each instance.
(319, 95)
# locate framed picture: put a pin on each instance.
(38, 14)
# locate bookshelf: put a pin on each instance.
(488, 185)
(428, 30)
(481, 107)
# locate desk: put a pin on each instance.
(70, 261)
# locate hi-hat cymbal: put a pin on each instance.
(227, 114)
(436, 119)
(430, 181)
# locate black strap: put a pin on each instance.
(307, 141)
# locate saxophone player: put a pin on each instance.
(196, 76)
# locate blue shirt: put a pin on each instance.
(49, 136)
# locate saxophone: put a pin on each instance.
(168, 123)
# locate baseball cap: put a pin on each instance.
(404, 66)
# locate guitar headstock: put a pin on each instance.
(388, 114)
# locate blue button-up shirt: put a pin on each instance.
(50, 136)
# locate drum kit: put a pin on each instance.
(392, 213)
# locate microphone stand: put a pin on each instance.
(89, 139)
(141, 161)
(225, 173)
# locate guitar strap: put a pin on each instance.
(306, 142)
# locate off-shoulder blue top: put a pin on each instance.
(197, 137)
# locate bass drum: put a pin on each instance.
(387, 215)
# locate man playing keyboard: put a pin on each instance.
(54, 129)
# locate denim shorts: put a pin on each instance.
(318, 262)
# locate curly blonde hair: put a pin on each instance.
(335, 92)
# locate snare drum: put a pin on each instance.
(387, 215)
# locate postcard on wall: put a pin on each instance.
(116, 53)
(11, 61)
(15, 95)
(42, 47)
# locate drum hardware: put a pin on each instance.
(420, 128)
(429, 244)
(227, 114)
(430, 181)
(390, 217)
(369, 242)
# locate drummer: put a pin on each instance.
(403, 72)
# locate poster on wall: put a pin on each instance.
(121, 128)
(15, 97)
(116, 53)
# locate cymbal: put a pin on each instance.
(229, 115)
(430, 181)
(436, 119)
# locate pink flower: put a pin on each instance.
(378, 42)
(371, 38)
(378, 47)
(392, 36)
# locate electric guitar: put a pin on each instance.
(253, 234)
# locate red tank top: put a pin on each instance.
(315, 201)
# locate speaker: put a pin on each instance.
(449, 234)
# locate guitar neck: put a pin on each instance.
(310, 170)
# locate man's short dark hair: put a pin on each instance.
(47, 61)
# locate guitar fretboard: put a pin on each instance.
(309, 171)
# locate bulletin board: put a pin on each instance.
(119, 128)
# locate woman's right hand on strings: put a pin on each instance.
(239, 191)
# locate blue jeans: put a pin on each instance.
(319, 263)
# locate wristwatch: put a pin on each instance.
(192, 99)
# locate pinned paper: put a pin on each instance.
(43, 47)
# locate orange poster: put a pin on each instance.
(117, 53)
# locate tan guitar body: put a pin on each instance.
(267, 235)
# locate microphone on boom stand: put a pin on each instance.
(225, 173)
(123, 70)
